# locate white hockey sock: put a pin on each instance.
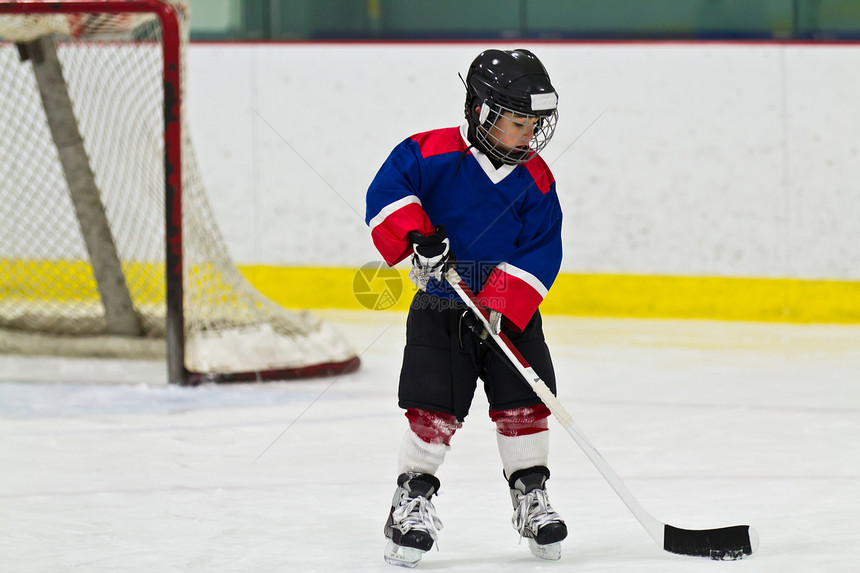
(523, 437)
(416, 455)
(426, 441)
(521, 452)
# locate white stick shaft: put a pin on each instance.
(652, 525)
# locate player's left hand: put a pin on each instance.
(477, 326)
(496, 321)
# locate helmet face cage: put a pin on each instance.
(511, 136)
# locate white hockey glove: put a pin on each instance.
(429, 256)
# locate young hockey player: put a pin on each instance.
(482, 193)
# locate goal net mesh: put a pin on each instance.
(112, 66)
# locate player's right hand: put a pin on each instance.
(430, 253)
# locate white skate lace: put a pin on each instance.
(417, 513)
(533, 512)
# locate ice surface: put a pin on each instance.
(106, 468)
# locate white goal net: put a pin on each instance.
(86, 221)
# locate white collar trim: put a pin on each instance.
(495, 175)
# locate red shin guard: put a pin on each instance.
(432, 427)
(521, 421)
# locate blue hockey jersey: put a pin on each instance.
(504, 224)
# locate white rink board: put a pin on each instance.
(717, 159)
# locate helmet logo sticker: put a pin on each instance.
(542, 102)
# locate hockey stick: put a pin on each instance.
(722, 543)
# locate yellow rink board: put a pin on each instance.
(612, 295)
(594, 295)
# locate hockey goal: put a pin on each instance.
(108, 245)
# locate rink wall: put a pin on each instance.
(697, 180)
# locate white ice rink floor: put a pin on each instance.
(105, 468)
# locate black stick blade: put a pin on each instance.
(722, 544)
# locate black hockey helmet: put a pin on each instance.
(509, 83)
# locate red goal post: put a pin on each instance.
(208, 323)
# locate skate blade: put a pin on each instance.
(402, 556)
(550, 552)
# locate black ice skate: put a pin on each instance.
(534, 518)
(412, 523)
